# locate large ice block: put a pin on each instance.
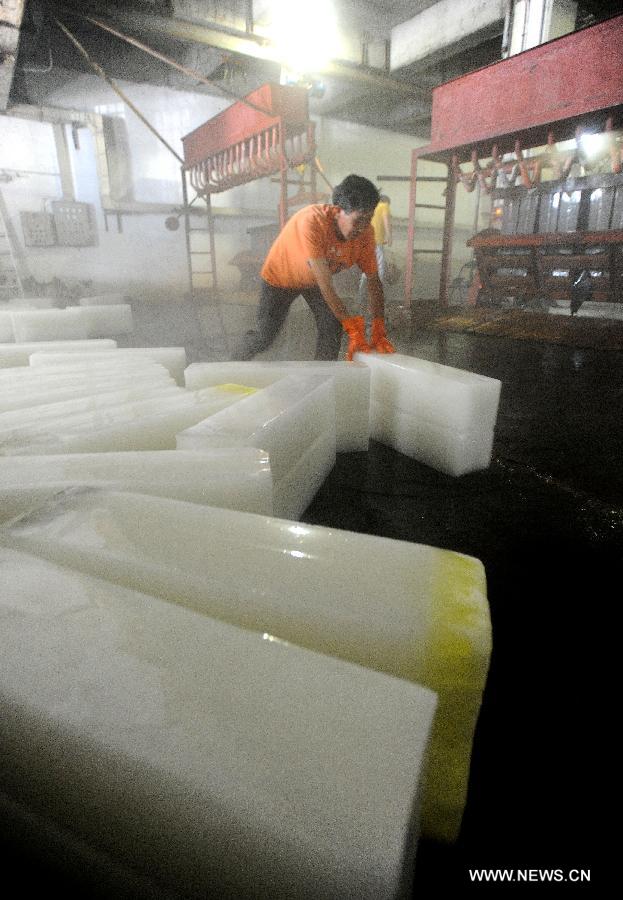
(33, 302)
(23, 397)
(236, 478)
(172, 358)
(452, 452)
(144, 425)
(294, 491)
(67, 409)
(49, 324)
(439, 415)
(352, 389)
(284, 419)
(203, 759)
(415, 612)
(19, 354)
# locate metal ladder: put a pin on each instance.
(10, 282)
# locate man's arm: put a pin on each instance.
(354, 326)
(324, 279)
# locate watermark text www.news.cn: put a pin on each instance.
(530, 875)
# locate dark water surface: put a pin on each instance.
(546, 519)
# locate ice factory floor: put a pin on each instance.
(546, 519)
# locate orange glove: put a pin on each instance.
(355, 328)
(379, 341)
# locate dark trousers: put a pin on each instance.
(273, 309)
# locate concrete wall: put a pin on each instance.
(145, 255)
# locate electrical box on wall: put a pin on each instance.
(74, 223)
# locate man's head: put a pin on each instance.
(356, 199)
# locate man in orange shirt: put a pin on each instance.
(317, 242)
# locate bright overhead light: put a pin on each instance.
(593, 144)
(306, 40)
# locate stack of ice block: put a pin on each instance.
(151, 423)
(411, 611)
(19, 354)
(71, 323)
(352, 389)
(237, 478)
(168, 754)
(172, 358)
(24, 386)
(293, 419)
(441, 416)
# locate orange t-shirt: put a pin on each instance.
(312, 233)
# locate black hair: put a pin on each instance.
(355, 193)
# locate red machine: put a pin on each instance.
(552, 93)
(266, 133)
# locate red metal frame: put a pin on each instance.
(264, 134)
(539, 96)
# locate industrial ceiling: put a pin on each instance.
(385, 81)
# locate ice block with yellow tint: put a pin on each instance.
(409, 610)
(160, 753)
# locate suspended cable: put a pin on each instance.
(102, 74)
(191, 73)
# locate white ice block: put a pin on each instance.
(412, 611)
(352, 389)
(237, 478)
(144, 425)
(441, 416)
(213, 761)
(49, 324)
(172, 358)
(15, 396)
(452, 452)
(99, 364)
(444, 396)
(102, 300)
(284, 419)
(19, 354)
(66, 409)
(108, 320)
(33, 302)
(293, 492)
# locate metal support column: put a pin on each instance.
(446, 249)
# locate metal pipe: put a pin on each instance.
(98, 69)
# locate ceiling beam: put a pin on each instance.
(11, 15)
(242, 43)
